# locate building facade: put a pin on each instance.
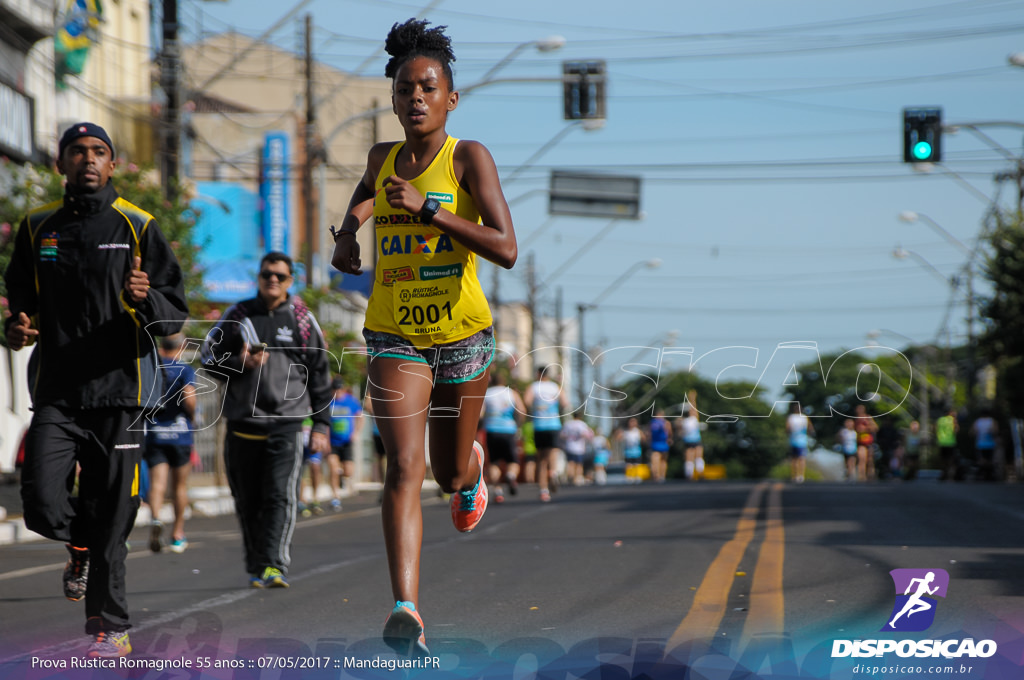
(27, 108)
(240, 90)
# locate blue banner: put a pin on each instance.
(274, 192)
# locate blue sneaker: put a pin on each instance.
(468, 507)
(178, 545)
(403, 631)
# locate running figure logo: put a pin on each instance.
(916, 590)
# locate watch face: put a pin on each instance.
(430, 208)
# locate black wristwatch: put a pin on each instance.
(430, 208)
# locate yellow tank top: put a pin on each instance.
(425, 286)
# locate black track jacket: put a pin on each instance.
(67, 273)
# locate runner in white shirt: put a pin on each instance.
(546, 401)
(576, 434)
(693, 447)
(799, 428)
(632, 439)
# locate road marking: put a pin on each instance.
(767, 603)
(712, 596)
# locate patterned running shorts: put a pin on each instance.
(454, 362)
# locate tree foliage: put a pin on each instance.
(830, 391)
(352, 368)
(749, 442)
(1003, 311)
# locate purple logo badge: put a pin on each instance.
(916, 590)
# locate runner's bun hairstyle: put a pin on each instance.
(414, 39)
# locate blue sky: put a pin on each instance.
(768, 139)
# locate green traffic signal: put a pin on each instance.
(922, 151)
(922, 135)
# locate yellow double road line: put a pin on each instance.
(766, 611)
(766, 605)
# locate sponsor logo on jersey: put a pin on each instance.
(396, 220)
(441, 196)
(398, 274)
(48, 248)
(415, 244)
(443, 272)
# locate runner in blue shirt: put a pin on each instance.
(501, 414)
(169, 443)
(345, 427)
(661, 442)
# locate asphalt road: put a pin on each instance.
(707, 580)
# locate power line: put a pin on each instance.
(840, 308)
(970, 7)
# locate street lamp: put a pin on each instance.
(921, 355)
(924, 350)
(588, 125)
(548, 44)
(911, 217)
(901, 253)
(581, 310)
(921, 407)
(968, 268)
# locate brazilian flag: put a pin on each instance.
(78, 30)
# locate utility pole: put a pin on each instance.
(170, 128)
(925, 420)
(531, 306)
(308, 202)
(560, 333)
(582, 355)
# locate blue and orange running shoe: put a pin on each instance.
(468, 506)
(403, 631)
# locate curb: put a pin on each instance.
(204, 501)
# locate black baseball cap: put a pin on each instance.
(84, 130)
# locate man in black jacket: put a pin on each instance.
(89, 280)
(274, 356)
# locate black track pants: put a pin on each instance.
(100, 518)
(264, 478)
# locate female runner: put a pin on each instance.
(436, 203)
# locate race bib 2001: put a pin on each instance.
(426, 307)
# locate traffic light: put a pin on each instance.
(922, 135)
(583, 87)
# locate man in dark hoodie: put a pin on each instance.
(90, 280)
(274, 358)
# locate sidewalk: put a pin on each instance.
(204, 501)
